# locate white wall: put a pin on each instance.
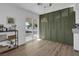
(19, 15)
(77, 12)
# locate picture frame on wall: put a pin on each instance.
(11, 23)
(10, 20)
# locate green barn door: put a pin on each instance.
(68, 22)
(44, 27)
(65, 25)
(52, 25)
(57, 26)
(71, 25)
(51, 36)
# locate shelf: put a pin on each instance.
(9, 31)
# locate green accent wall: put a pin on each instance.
(57, 26)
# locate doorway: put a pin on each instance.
(31, 26)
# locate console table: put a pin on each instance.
(10, 37)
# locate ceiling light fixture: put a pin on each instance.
(43, 4)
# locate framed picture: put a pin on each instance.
(10, 20)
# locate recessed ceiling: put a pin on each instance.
(39, 9)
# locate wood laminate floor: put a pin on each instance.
(43, 48)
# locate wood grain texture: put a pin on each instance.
(43, 48)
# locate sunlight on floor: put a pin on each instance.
(39, 39)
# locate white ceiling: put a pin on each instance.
(41, 10)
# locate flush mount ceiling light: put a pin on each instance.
(39, 3)
(45, 5)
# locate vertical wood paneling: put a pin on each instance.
(52, 24)
(65, 20)
(44, 26)
(58, 26)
